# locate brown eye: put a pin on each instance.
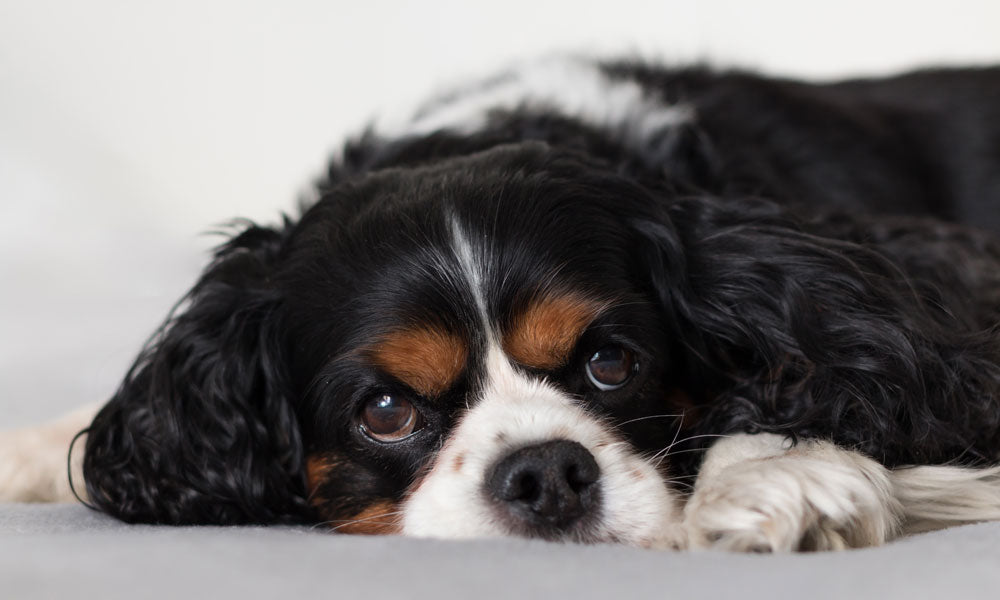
(611, 367)
(389, 418)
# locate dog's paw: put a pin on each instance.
(33, 461)
(814, 497)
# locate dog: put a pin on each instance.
(593, 302)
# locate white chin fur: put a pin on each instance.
(451, 501)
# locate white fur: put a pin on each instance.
(471, 269)
(33, 460)
(934, 497)
(753, 492)
(572, 87)
(760, 494)
(515, 411)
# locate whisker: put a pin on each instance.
(686, 485)
(672, 442)
(346, 522)
(390, 523)
(678, 432)
(367, 519)
(680, 479)
(681, 415)
(704, 435)
(668, 455)
(663, 453)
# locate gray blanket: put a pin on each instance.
(60, 551)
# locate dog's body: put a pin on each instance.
(531, 309)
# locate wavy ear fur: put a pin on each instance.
(836, 327)
(202, 430)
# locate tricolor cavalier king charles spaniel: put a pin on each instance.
(597, 302)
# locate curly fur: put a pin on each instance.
(855, 338)
(785, 259)
(202, 430)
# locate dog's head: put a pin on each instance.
(469, 348)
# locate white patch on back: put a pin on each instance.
(574, 88)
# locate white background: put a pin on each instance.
(129, 128)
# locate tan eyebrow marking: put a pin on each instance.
(543, 335)
(429, 359)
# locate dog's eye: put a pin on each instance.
(388, 418)
(611, 367)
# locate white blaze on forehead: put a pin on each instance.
(471, 268)
(575, 88)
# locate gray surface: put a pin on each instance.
(67, 551)
(113, 157)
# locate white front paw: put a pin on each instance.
(33, 460)
(814, 497)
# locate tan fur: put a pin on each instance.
(544, 334)
(429, 359)
(318, 466)
(380, 518)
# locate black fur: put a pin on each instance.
(202, 430)
(785, 262)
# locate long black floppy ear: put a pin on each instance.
(202, 429)
(823, 327)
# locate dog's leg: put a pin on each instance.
(33, 460)
(761, 493)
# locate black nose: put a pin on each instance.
(548, 485)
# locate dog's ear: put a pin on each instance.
(787, 325)
(202, 430)
(731, 278)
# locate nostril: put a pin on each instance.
(525, 488)
(579, 477)
(550, 483)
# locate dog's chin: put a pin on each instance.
(629, 502)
